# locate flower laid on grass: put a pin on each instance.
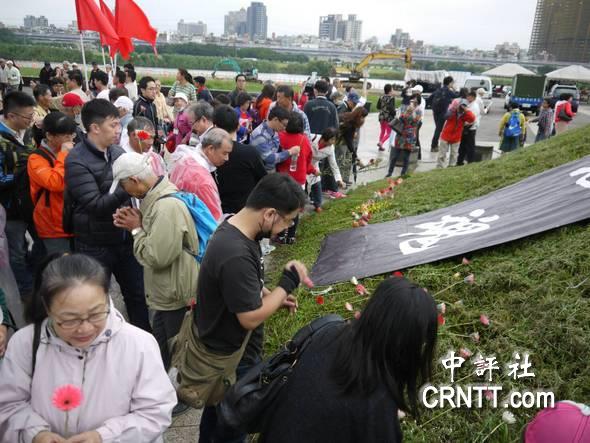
(398, 274)
(320, 300)
(66, 398)
(441, 320)
(465, 353)
(357, 315)
(442, 308)
(361, 290)
(474, 337)
(470, 279)
(509, 417)
(465, 261)
(354, 281)
(484, 320)
(348, 307)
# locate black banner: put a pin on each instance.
(545, 201)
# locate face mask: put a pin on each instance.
(264, 234)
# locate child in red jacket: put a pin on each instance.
(297, 166)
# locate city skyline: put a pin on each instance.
(466, 27)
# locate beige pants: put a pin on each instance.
(443, 148)
(560, 127)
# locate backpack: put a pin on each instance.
(512, 128)
(245, 403)
(22, 203)
(205, 224)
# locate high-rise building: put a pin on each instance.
(334, 27)
(32, 22)
(400, 39)
(257, 21)
(562, 30)
(236, 23)
(188, 29)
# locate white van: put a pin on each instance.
(475, 82)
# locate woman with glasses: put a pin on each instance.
(78, 338)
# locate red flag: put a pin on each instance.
(131, 21)
(91, 19)
(124, 45)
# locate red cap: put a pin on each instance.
(72, 99)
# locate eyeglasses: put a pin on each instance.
(26, 117)
(94, 319)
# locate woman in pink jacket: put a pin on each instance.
(84, 342)
(563, 113)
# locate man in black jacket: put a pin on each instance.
(91, 208)
(241, 173)
(145, 106)
(321, 112)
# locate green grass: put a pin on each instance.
(526, 288)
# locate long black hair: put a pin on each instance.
(391, 345)
(58, 273)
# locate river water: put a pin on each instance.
(376, 83)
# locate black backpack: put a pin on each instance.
(245, 403)
(23, 204)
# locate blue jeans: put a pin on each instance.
(395, 154)
(209, 430)
(120, 261)
(23, 268)
(316, 194)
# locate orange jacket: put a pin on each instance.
(262, 108)
(48, 207)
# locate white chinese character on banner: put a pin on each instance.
(583, 182)
(524, 366)
(452, 363)
(487, 364)
(449, 226)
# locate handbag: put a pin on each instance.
(563, 115)
(246, 402)
(397, 125)
(203, 375)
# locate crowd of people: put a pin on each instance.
(178, 198)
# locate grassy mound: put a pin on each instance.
(533, 290)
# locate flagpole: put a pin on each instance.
(104, 60)
(84, 61)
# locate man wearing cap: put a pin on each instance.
(13, 76)
(71, 104)
(193, 169)
(450, 137)
(125, 107)
(89, 206)
(182, 124)
(165, 242)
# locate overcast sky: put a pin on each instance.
(466, 23)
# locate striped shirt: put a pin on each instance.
(187, 88)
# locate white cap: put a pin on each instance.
(181, 95)
(128, 165)
(125, 103)
(10, 62)
(418, 88)
(481, 91)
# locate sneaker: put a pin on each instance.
(180, 409)
(338, 194)
(290, 240)
(268, 249)
(380, 146)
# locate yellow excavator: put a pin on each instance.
(353, 75)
